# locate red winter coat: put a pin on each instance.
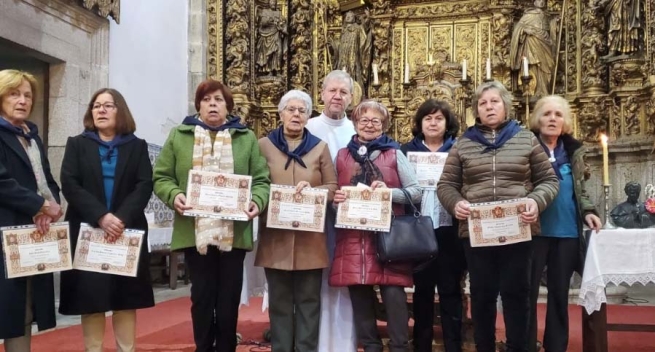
(355, 256)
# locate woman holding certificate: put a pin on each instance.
(435, 129)
(497, 160)
(212, 141)
(29, 195)
(374, 160)
(561, 241)
(106, 178)
(293, 260)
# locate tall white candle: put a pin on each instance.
(525, 67)
(343, 69)
(430, 59)
(464, 70)
(488, 68)
(406, 72)
(375, 74)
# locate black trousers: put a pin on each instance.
(216, 280)
(363, 299)
(504, 270)
(561, 256)
(294, 309)
(446, 272)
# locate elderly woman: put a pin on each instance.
(561, 240)
(497, 160)
(215, 141)
(373, 159)
(106, 178)
(435, 129)
(294, 260)
(30, 195)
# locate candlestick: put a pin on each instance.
(488, 68)
(375, 74)
(607, 223)
(464, 70)
(430, 61)
(406, 72)
(606, 171)
(525, 66)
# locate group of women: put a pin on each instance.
(107, 180)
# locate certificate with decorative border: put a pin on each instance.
(365, 209)
(28, 252)
(428, 167)
(94, 253)
(498, 223)
(300, 211)
(218, 195)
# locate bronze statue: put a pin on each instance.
(353, 51)
(533, 38)
(271, 42)
(632, 214)
(624, 26)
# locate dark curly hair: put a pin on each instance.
(431, 106)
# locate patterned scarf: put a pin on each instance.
(216, 157)
(361, 152)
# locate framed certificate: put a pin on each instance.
(94, 253)
(28, 252)
(498, 223)
(428, 167)
(365, 209)
(304, 211)
(218, 195)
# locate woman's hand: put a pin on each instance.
(593, 222)
(378, 184)
(301, 185)
(42, 222)
(253, 210)
(531, 213)
(112, 226)
(339, 197)
(462, 210)
(180, 204)
(53, 210)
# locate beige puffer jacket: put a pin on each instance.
(520, 168)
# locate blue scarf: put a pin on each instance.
(561, 157)
(232, 122)
(510, 130)
(309, 141)
(111, 145)
(19, 131)
(416, 145)
(370, 172)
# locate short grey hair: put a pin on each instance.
(297, 95)
(505, 95)
(371, 104)
(560, 103)
(338, 75)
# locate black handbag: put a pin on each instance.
(411, 238)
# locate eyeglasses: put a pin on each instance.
(375, 122)
(292, 109)
(107, 106)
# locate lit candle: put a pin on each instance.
(464, 70)
(606, 171)
(375, 74)
(430, 59)
(406, 72)
(488, 68)
(525, 67)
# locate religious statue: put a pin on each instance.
(533, 38)
(353, 51)
(632, 214)
(271, 41)
(624, 26)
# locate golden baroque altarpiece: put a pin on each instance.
(602, 58)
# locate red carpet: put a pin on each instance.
(167, 327)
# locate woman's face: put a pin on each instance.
(213, 109)
(369, 125)
(104, 113)
(434, 125)
(551, 120)
(294, 116)
(17, 103)
(491, 109)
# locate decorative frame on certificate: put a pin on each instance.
(218, 195)
(94, 253)
(291, 210)
(28, 252)
(498, 223)
(428, 167)
(365, 209)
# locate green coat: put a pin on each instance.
(172, 170)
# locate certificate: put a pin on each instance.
(218, 195)
(365, 209)
(428, 167)
(28, 252)
(94, 253)
(498, 223)
(304, 211)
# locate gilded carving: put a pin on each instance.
(397, 57)
(215, 36)
(592, 44)
(624, 26)
(237, 50)
(631, 113)
(271, 44)
(380, 7)
(441, 38)
(416, 47)
(484, 43)
(381, 52)
(440, 10)
(353, 51)
(571, 47)
(105, 8)
(301, 45)
(465, 43)
(501, 38)
(615, 119)
(650, 113)
(592, 119)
